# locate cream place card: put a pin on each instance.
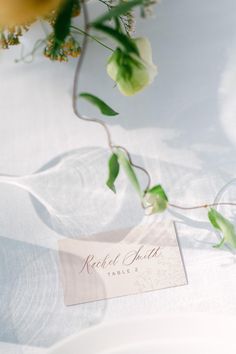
(147, 258)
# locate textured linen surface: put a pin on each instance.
(182, 128)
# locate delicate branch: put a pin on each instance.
(201, 206)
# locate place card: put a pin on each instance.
(147, 258)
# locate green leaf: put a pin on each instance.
(212, 217)
(155, 199)
(103, 107)
(63, 21)
(117, 11)
(128, 169)
(158, 190)
(222, 224)
(121, 38)
(117, 24)
(114, 169)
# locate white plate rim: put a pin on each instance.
(94, 331)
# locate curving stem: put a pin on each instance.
(77, 73)
(75, 96)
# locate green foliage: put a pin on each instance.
(158, 191)
(219, 222)
(114, 169)
(121, 38)
(129, 171)
(62, 23)
(156, 199)
(101, 105)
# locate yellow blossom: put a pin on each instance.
(16, 12)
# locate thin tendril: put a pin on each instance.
(200, 206)
(79, 30)
(31, 55)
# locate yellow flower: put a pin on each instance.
(132, 73)
(16, 12)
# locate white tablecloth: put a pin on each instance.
(182, 128)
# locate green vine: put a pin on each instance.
(153, 198)
(131, 67)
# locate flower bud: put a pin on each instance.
(131, 72)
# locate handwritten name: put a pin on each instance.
(92, 263)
